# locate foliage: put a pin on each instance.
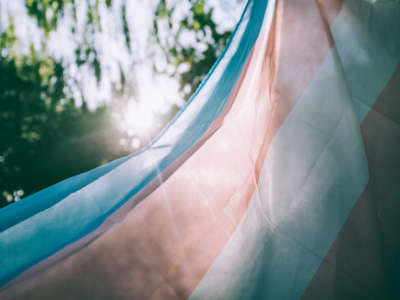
(48, 14)
(190, 61)
(44, 136)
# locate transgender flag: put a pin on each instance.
(280, 178)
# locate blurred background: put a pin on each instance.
(83, 82)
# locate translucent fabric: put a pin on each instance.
(280, 178)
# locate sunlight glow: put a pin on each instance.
(148, 111)
(139, 116)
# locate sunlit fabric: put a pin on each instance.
(279, 179)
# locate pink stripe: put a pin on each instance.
(163, 248)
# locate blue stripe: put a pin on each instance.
(82, 211)
(33, 204)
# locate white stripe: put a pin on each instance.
(315, 170)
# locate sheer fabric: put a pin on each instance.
(278, 180)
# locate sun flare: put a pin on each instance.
(144, 116)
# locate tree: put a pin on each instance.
(191, 41)
(44, 136)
